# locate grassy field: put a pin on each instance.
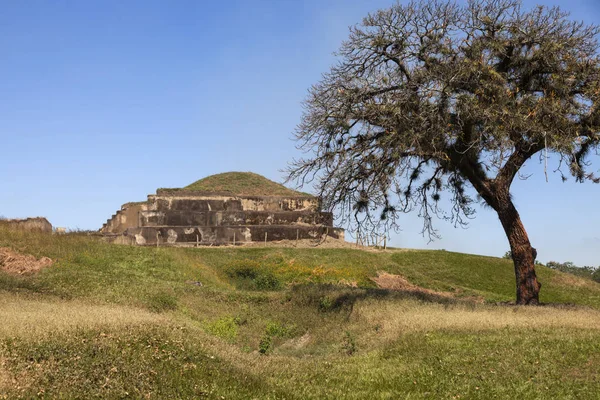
(128, 322)
(242, 183)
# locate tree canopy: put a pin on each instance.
(433, 96)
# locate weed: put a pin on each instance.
(225, 328)
(265, 344)
(267, 281)
(349, 343)
(274, 330)
(325, 304)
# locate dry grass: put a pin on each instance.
(77, 330)
(395, 319)
(569, 280)
(6, 378)
(36, 320)
(28, 317)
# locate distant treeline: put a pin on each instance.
(570, 268)
(584, 272)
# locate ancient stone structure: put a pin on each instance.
(29, 224)
(192, 217)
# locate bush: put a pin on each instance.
(265, 344)
(596, 275)
(225, 328)
(326, 303)
(274, 330)
(250, 275)
(267, 281)
(349, 343)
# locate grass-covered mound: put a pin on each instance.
(242, 183)
(129, 322)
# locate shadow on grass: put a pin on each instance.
(333, 298)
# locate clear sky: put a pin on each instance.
(102, 102)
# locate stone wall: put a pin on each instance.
(29, 224)
(172, 217)
(219, 235)
(125, 218)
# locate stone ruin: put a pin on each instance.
(40, 224)
(237, 215)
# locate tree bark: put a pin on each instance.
(523, 254)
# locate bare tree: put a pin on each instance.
(432, 96)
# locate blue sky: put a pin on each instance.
(102, 102)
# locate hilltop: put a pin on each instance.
(242, 183)
(113, 321)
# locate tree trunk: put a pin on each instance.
(523, 254)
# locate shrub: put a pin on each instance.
(325, 303)
(267, 281)
(251, 275)
(265, 344)
(224, 328)
(349, 343)
(274, 330)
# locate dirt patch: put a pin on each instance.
(17, 263)
(398, 282)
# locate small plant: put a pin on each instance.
(267, 281)
(265, 344)
(250, 275)
(325, 303)
(274, 330)
(349, 343)
(224, 328)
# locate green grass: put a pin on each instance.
(131, 322)
(242, 183)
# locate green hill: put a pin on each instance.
(114, 321)
(242, 183)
